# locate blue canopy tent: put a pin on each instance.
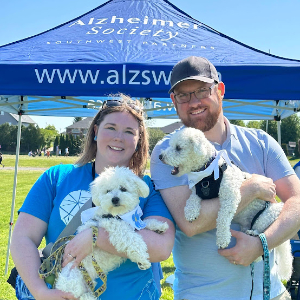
(130, 46)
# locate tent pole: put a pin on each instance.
(14, 191)
(279, 132)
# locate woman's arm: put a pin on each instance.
(159, 245)
(27, 236)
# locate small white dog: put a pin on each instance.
(189, 152)
(116, 195)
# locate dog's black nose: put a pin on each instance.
(115, 200)
(160, 156)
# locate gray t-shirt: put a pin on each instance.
(201, 273)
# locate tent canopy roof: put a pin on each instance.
(131, 46)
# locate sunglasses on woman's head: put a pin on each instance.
(116, 102)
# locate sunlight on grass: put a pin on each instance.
(26, 178)
(25, 181)
(38, 161)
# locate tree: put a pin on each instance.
(155, 134)
(272, 128)
(290, 129)
(62, 142)
(238, 122)
(49, 134)
(31, 138)
(8, 137)
(78, 143)
(254, 124)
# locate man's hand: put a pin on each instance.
(264, 187)
(247, 249)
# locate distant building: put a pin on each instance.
(13, 119)
(171, 127)
(79, 128)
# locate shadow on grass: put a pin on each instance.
(168, 270)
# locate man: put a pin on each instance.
(203, 271)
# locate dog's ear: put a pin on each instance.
(199, 142)
(141, 186)
(95, 192)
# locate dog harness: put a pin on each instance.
(132, 217)
(51, 266)
(208, 187)
(208, 178)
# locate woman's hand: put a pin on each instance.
(78, 248)
(247, 249)
(52, 294)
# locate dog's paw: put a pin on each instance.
(162, 228)
(144, 265)
(192, 208)
(190, 216)
(156, 226)
(252, 232)
(223, 241)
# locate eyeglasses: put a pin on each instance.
(199, 94)
(117, 102)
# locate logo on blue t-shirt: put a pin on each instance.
(72, 203)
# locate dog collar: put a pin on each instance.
(133, 217)
(194, 177)
(207, 164)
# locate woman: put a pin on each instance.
(117, 137)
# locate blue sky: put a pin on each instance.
(268, 25)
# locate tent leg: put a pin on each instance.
(14, 193)
(279, 132)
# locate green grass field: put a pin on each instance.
(26, 179)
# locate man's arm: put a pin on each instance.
(175, 198)
(248, 248)
(288, 223)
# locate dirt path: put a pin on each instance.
(37, 169)
(24, 168)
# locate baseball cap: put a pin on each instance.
(193, 67)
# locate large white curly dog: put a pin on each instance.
(189, 152)
(115, 193)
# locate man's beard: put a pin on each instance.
(203, 125)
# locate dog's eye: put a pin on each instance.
(108, 191)
(122, 189)
(178, 148)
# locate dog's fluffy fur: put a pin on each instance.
(116, 191)
(188, 151)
